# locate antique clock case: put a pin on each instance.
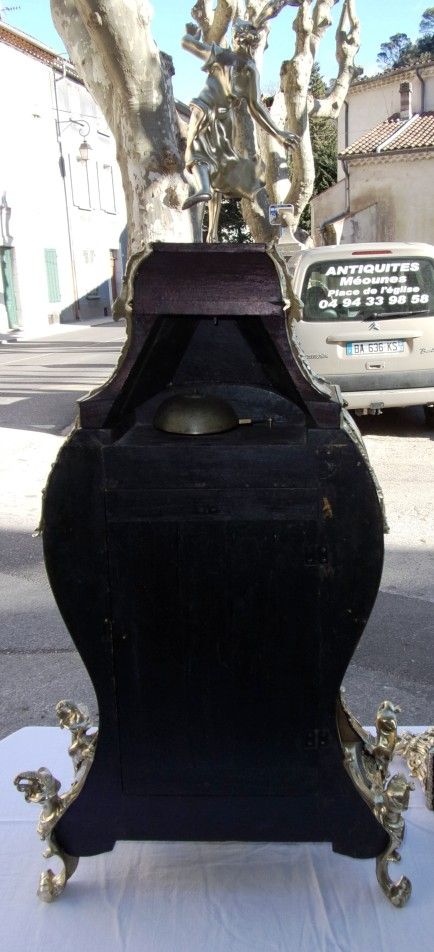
(215, 585)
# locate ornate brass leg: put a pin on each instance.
(367, 760)
(203, 193)
(51, 885)
(39, 786)
(214, 207)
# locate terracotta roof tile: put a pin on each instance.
(392, 74)
(27, 44)
(416, 133)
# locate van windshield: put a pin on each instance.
(360, 288)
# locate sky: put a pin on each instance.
(379, 20)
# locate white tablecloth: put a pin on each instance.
(202, 897)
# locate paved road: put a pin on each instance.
(41, 382)
(396, 656)
(43, 379)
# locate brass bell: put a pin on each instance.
(195, 414)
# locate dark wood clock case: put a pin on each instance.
(215, 585)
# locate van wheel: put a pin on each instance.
(429, 414)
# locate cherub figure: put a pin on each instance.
(387, 732)
(232, 78)
(75, 717)
(39, 786)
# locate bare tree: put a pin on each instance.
(294, 106)
(111, 45)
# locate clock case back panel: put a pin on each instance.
(215, 586)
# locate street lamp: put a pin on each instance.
(83, 150)
(84, 128)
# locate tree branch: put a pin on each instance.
(123, 46)
(347, 46)
(295, 78)
(71, 28)
(214, 25)
(124, 49)
(322, 20)
(259, 13)
(202, 15)
(300, 104)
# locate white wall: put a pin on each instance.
(391, 200)
(32, 184)
(362, 226)
(403, 193)
(329, 204)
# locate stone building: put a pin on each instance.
(62, 210)
(385, 187)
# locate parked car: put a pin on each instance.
(368, 321)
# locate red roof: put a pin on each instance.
(395, 135)
(20, 41)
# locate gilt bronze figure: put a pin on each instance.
(218, 169)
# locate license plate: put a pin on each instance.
(363, 348)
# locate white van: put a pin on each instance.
(368, 321)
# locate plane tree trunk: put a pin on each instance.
(112, 48)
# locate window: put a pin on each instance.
(79, 182)
(91, 273)
(106, 188)
(357, 290)
(52, 275)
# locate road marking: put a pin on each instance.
(7, 401)
(22, 360)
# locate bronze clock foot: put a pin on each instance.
(39, 786)
(51, 885)
(366, 760)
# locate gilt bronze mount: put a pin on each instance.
(39, 786)
(367, 760)
(418, 752)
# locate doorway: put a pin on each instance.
(7, 273)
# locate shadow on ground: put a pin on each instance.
(397, 421)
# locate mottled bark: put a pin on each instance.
(214, 23)
(295, 77)
(347, 45)
(112, 47)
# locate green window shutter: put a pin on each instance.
(52, 275)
